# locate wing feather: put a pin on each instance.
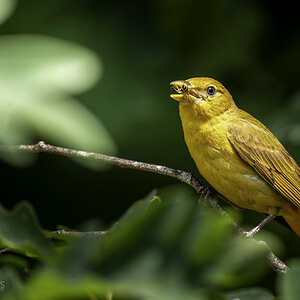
(257, 146)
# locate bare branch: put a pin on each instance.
(73, 233)
(41, 146)
(183, 176)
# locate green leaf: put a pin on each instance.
(51, 285)
(208, 228)
(7, 7)
(13, 260)
(135, 258)
(244, 261)
(20, 231)
(36, 75)
(48, 62)
(288, 284)
(129, 231)
(250, 294)
(179, 204)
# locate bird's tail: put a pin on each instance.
(292, 217)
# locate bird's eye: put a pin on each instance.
(211, 90)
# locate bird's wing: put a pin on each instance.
(257, 146)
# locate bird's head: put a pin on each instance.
(205, 96)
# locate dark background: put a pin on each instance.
(252, 47)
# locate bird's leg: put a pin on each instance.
(256, 229)
(272, 215)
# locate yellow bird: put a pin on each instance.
(236, 153)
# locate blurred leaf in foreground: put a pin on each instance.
(134, 259)
(288, 284)
(36, 75)
(7, 7)
(50, 285)
(20, 231)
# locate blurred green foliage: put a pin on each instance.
(288, 285)
(7, 8)
(137, 259)
(37, 74)
(95, 75)
(20, 231)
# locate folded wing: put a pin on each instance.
(257, 146)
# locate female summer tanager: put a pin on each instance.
(236, 153)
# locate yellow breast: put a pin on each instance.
(221, 166)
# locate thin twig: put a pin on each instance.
(183, 176)
(76, 233)
(41, 146)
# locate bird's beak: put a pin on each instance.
(186, 92)
(181, 87)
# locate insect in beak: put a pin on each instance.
(181, 87)
(185, 92)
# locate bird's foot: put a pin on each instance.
(252, 232)
(273, 212)
(205, 192)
